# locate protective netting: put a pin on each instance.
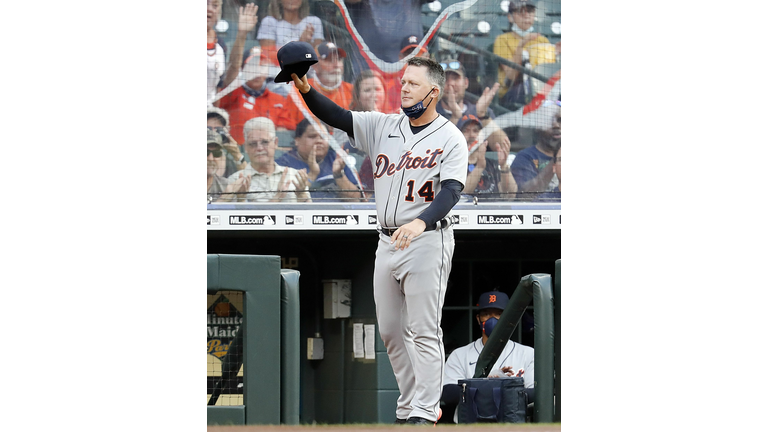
(503, 89)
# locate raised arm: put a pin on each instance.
(324, 108)
(246, 23)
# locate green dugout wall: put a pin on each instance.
(343, 389)
(271, 393)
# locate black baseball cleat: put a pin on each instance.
(400, 421)
(418, 421)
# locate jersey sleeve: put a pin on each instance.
(453, 166)
(367, 126)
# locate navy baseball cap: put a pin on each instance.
(517, 4)
(295, 57)
(326, 48)
(466, 119)
(493, 299)
(410, 42)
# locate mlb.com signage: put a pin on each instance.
(500, 219)
(252, 219)
(335, 220)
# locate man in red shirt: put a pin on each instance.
(329, 81)
(253, 99)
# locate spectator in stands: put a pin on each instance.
(326, 170)
(286, 21)
(329, 81)
(515, 360)
(454, 105)
(532, 168)
(253, 99)
(408, 44)
(486, 177)
(382, 23)
(515, 90)
(234, 160)
(555, 194)
(330, 74)
(216, 183)
(266, 180)
(558, 174)
(217, 78)
(368, 94)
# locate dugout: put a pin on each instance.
(341, 388)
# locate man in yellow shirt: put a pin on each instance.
(511, 45)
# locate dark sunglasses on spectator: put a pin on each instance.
(216, 153)
(218, 129)
(454, 65)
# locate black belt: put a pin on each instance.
(442, 223)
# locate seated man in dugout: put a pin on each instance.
(263, 180)
(516, 360)
(327, 171)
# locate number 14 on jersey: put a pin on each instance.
(425, 191)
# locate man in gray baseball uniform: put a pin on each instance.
(419, 169)
(515, 360)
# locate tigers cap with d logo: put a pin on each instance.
(295, 57)
(493, 299)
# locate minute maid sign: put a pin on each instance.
(224, 321)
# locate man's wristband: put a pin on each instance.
(485, 117)
(501, 168)
(338, 175)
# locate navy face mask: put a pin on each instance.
(417, 110)
(488, 325)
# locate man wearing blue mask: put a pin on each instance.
(419, 161)
(516, 359)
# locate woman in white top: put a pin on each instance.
(289, 20)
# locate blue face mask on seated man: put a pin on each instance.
(418, 109)
(488, 325)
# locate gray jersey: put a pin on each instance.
(407, 168)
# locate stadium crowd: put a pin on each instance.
(265, 145)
